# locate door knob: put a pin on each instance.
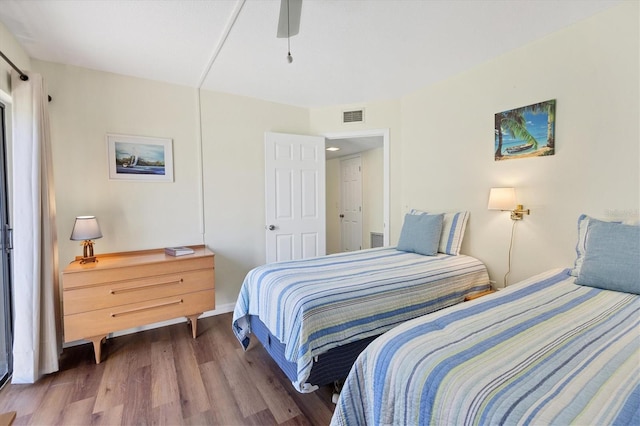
(341, 216)
(271, 227)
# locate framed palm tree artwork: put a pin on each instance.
(525, 132)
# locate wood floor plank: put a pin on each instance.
(300, 420)
(274, 394)
(158, 377)
(77, 364)
(110, 417)
(193, 395)
(242, 385)
(204, 418)
(23, 420)
(224, 342)
(260, 418)
(137, 404)
(169, 414)
(111, 390)
(224, 409)
(50, 409)
(316, 406)
(78, 412)
(24, 399)
(164, 381)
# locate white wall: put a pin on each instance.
(14, 51)
(233, 130)
(133, 215)
(139, 215)
(372, 194)
(447, 163)
(332, 191)
(384, 114)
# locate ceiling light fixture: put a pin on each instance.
(289, 57)
(292, 26)
(333, 148)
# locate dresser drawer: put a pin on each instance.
(107, 270)
(104, 321)
(83, 299)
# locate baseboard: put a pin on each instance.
(221, 309)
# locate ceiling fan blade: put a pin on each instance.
(294, 8)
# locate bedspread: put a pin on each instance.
(545, 351)
(314, 305)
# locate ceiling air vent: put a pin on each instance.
(356, 116)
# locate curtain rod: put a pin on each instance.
(23, 76)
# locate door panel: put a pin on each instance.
(309, 193)
(295, 197)
(351, 203)
(283, 196)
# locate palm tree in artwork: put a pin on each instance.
(514, 123)
(547, 107)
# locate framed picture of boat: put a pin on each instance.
(525, 132)
(140, 158)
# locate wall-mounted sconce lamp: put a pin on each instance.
(504, 199)
(86, 229)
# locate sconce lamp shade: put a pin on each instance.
(502, 199)
(86, 228)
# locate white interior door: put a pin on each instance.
(351, 203)
(295, 197)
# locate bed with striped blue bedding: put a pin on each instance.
(544, 351)
(314, 305)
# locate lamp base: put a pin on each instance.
(87, 252)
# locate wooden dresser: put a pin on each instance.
(130, 289)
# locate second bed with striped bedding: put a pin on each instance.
(545, 351)
(314, 305)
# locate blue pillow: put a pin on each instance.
(421, 233)
(453, 226)
(612, 257)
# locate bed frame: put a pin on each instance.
(333, 365)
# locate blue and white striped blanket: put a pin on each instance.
(314, 305)
(545, 351)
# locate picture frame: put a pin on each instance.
(140, 158)
(525, 132)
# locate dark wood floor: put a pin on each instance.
(164, 376)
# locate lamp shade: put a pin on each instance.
(86, 228)
(502, 199)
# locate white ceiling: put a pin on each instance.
(347, 51)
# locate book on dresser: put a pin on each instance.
(178, 251)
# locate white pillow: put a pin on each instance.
(583, 224)
(453, 227)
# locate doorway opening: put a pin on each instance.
(372, 146)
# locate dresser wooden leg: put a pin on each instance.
(193, 319)
(97, 346)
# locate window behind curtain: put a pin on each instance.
(6, 339)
